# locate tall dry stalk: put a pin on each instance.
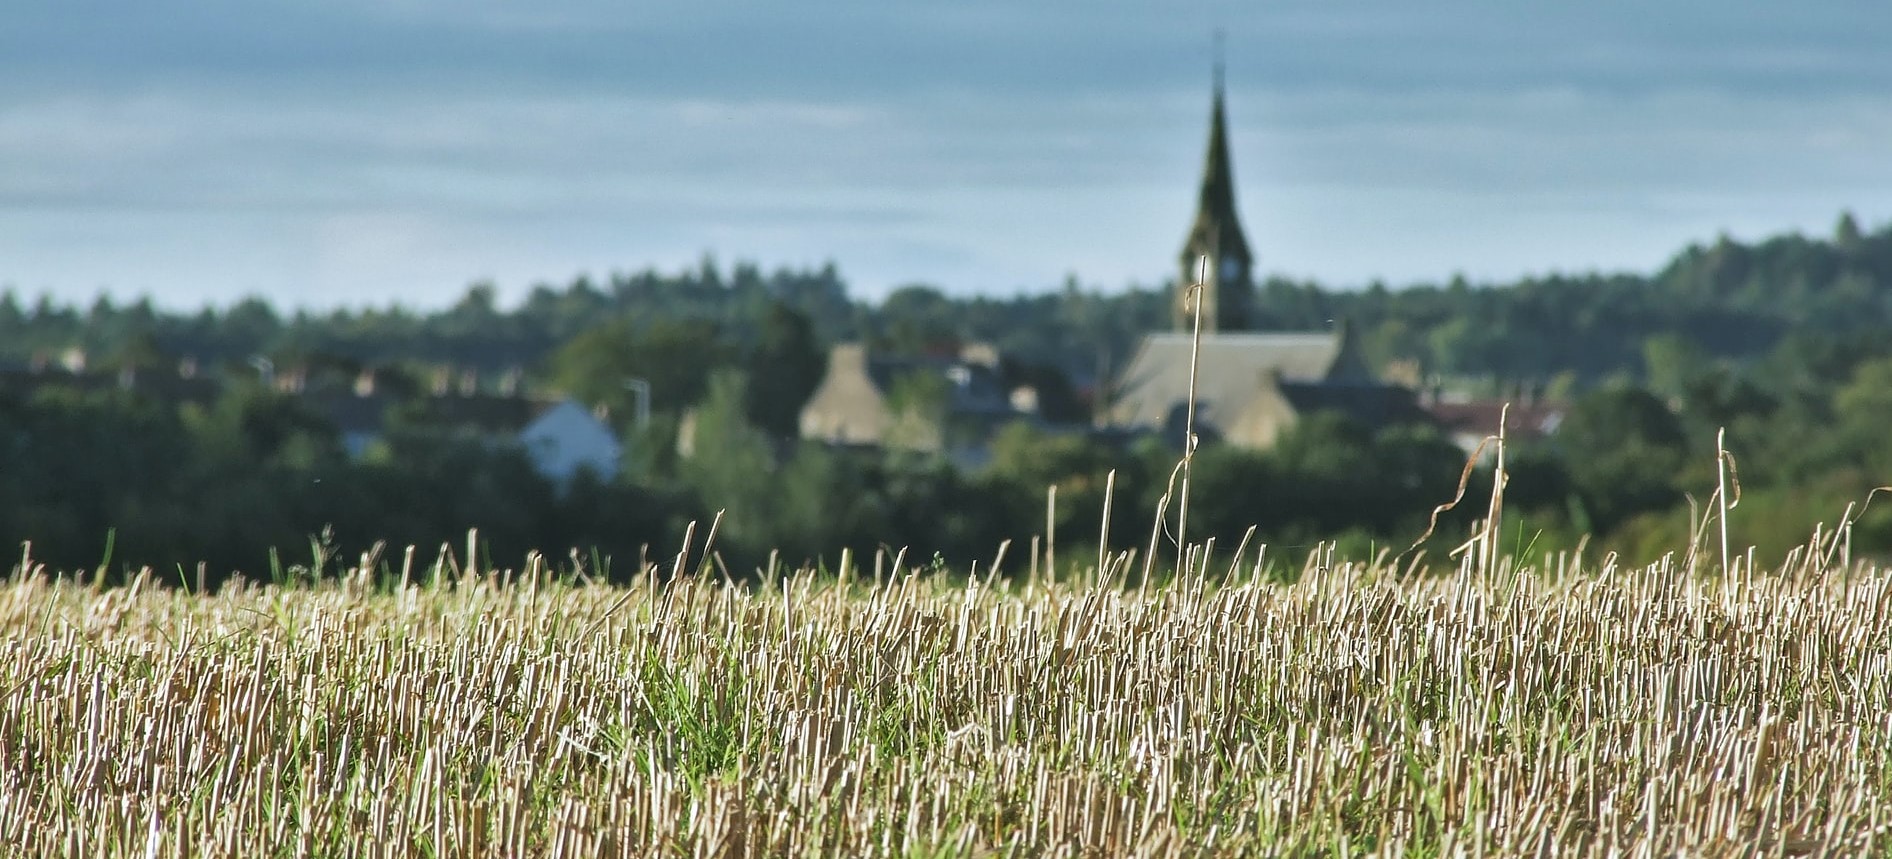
(1725, 476)
(1103, 529)
(1493, 543)
(1189, 415)
(1051, 532)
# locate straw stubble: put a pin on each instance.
(1354, 712)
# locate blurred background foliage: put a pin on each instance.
(1781, 342)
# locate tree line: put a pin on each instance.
(1776, 341)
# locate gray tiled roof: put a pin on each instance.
(1229, 372)
(1371, 405)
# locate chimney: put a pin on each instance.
(850, 355)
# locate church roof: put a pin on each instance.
(1229, 372)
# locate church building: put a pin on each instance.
(1251, 386)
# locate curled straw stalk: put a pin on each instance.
(1484, 544)
(1181, 535)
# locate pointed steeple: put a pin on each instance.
(1217, 234)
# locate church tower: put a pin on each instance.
(1228, 289)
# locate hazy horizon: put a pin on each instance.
(350, 153)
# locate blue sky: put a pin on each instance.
(354, 152)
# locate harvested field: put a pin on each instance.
(1610, 712)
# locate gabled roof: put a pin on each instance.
(1229, 372)
(1370, 405)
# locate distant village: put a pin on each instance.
(1247, 387)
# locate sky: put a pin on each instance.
(368, 152)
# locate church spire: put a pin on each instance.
(1220, 40)
(1217, 234)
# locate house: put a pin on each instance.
(559, 436)
(947, 403)
(1250, 386)
(566, 438)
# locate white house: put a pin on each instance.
(565, 438)
(559, 437)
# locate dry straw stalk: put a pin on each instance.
(1625, 712)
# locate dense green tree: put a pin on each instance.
(919, 318)
(1671, 364)
(1846, 235)
(675, 357)
(732, 464)
(917, 404)
(783, 369)
(1624, 449)
(249, 326)
(1027, 461)
(1863, 407)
